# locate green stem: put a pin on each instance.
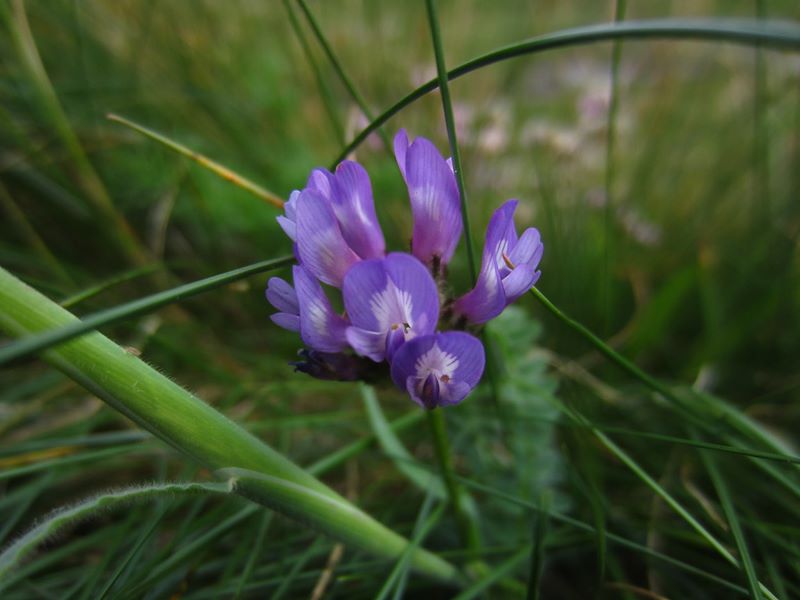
(324, 90)
(456, 494)
(340, 72)
(447, 106)
(193, 427)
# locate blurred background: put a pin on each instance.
(663, 176)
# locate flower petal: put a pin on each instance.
(320, 327)
(320, 244)
(286, 320)
(354, 207)
(400, 150)
(412, 278)
(435, 204)
(528, 249)
(469, 351)
(367, 343)
(501, 236)
(404, 363)
(487, 299)
(288, 219)
(282, 296)
(519, 281)
(364, 281)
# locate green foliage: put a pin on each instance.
(638, 435)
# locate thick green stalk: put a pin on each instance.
(187, 423)
(737, 31)
(41, 341)
(467, 525)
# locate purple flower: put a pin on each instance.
(306, 308)
(439, 369)
(434, 198)
(389, 301)
(333, 222)
(508, 269)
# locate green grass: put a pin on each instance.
(637, 428)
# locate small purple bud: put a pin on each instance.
(508, 269)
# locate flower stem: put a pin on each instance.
(447, 106)
(466, 524)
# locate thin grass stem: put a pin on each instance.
(213, 166)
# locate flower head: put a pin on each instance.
(508, 268)
(434, 197)
(388, 302)
(392, 301)
(439, 369)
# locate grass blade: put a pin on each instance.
(42, 341)
(733, 521)
(68, 517)
(213, 166)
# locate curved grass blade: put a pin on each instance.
(67, 517)
(733, 522)
(42, 341)
(324, 90)
(188, 424)
(101, 287)
(496, 574)
(213, 166)
(340, 72)
(619, 540)
(737, 31)
(393, 447)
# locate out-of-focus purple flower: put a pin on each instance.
(439, 369)
(306, 308)
(434, 198)
(389, 301)
(508, 269)
(333, 222)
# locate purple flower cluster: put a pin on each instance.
(393, 312)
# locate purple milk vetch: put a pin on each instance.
(508, 267)
(435, 204)
(389, 301)
(440, 369)
(391, 323)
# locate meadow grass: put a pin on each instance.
(634, 434)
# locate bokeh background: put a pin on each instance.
(664, 179)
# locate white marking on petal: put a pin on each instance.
(437, 362)
(392, 306)
(318, 315)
